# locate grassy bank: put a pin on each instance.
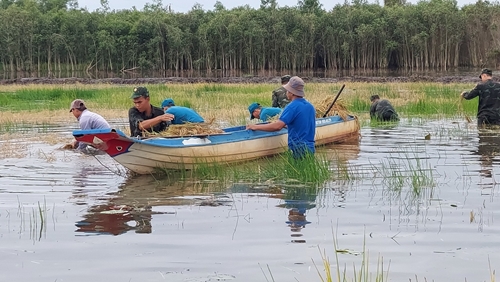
(225, 102)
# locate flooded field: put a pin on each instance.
(420, 197)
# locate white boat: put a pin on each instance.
(236, 144)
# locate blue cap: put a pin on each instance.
(254, 106)
(167, 103)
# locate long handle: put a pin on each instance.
(336, 97)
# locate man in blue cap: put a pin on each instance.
(299, 117)
(488, 91)
(264, 114)
(181, 114)
(144, 116)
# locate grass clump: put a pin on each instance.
(282, 168)
(358, 274)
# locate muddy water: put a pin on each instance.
(430, 208)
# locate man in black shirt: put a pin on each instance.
(382, 110)
(144, 116)
(488, 91)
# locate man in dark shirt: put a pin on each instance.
(382, 110)
(144, 116)
(488, 109)
(280, 99)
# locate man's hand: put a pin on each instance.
(149, 123)
(166, 117)
(251, 127)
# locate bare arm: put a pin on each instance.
(149, 123)
(273, 126)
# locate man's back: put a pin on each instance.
(267, 113)
(279, 98)
(488, 111)
(183, 115)
(383, 110)
(300, 118)
(91, 120)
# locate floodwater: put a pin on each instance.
(426, 207)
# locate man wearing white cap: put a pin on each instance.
(299, 117)
(86, 119)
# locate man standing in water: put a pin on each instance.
(87, 120)
(280, 99)
(488, 109)
(299, 117)
(382, 110)
(144, 116)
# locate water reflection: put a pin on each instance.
(488, 148)
(116, 219)
(131, 207)
(298, 200)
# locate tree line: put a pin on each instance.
(55, 35)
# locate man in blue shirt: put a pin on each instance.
(181, 114)
(257, 111)
(300, 118)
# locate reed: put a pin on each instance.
(37, 216)
(282, 168)
(362, 273)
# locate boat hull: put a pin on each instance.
(238, 145)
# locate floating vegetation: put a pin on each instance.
(9, 149)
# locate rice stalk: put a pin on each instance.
(188, 129)
(339, 108)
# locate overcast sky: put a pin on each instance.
(186, 5)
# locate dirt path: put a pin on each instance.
(253, 80)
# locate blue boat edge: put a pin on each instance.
(235, 134)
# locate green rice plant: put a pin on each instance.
(392, 175)
(213, 87)
(361, 274)
(281, 168)
(382, 90)
(37, 220)
(205, 169)
(419, 107)
(407, 173)
(383, 124)
(358, 104)
(310, 168)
